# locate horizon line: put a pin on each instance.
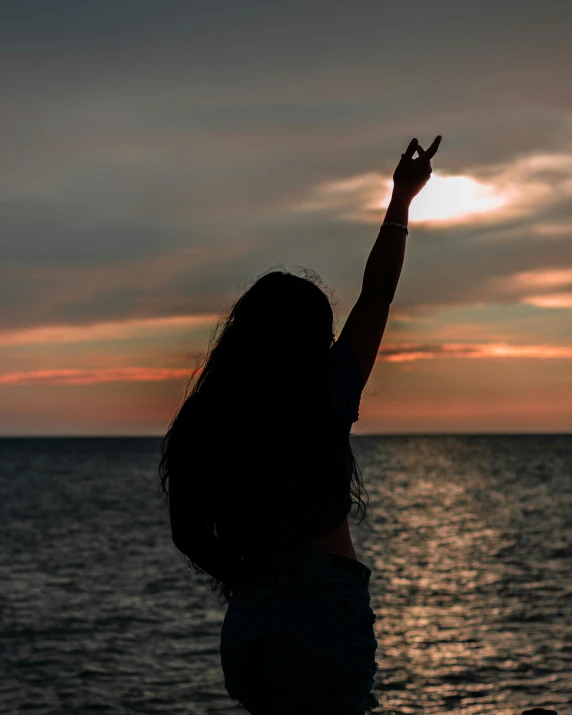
(368, 434)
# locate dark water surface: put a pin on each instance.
(469, 539)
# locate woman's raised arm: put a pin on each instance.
(366, 323)
(385, 261)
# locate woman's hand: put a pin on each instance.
(411, 174)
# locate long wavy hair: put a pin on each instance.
(259, 401)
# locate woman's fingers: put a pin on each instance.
(422, 156)
(433, 148)
(410, 149)
(414, 146)
(430, 153)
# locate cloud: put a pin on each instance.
(145, 288)
(450, 199)
(131, 132)
(104, 331)
(510, 191)
(540, 278)
(521, 283)
(409, 352)
(95, 376)
(290, 49)
(406, 352)
(553, 300)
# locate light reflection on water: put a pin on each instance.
(472, 558)
(469, 540)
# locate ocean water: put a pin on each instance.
(469, 539)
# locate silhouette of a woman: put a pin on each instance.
(261, 475)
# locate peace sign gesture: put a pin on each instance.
(411, 174)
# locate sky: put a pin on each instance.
(157, 157)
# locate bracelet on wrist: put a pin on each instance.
(399, 225)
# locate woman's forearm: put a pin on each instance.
(385, 261)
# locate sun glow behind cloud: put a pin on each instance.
(450, 198)
(444, 198)
(515, 189)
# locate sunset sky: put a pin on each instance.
(158, 156)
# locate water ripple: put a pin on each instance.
(469, 540)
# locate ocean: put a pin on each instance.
(469, 539)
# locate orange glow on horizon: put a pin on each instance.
(406, 352)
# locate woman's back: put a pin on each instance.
(336, 541)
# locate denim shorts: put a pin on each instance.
(298, 635)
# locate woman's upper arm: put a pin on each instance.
(345, 382)
(364, 329)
